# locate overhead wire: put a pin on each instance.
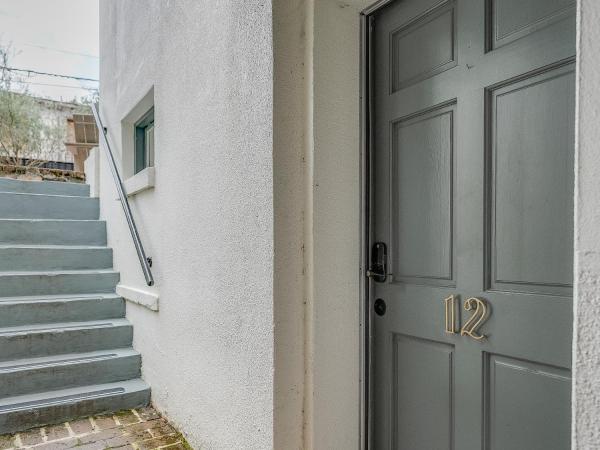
(57, 85)
(72, 77)
(69, 52)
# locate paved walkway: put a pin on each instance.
(141, 429)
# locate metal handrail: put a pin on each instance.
(139, 248)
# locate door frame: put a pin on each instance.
(366, 142)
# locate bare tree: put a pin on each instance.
(87, 101)
(21, 127)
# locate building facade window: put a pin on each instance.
(144, 142)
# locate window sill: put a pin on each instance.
(140, 181)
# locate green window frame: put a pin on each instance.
(144, 142)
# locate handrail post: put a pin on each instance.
(139, 248)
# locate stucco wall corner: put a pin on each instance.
(587, 354)
(586, 338)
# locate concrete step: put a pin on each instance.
(21, 412)
(50, 257)
(44, 187)
(65, 346)
(14, 205)
(52, 232)
(13, 284)
(18, 311)
(48, 373)
(30, 341)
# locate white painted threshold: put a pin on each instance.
(144, 298)
(140, 181)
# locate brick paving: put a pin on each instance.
(136, 429)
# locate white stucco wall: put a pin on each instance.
(208, 223)
(586, 343)
(257, 173)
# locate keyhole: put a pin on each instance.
(380, 307)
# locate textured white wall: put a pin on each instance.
(586, 344)
(208, 224)
(333, 391)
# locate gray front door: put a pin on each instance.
(472, 197)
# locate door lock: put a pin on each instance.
(378, 269)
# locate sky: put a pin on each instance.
(54, 36)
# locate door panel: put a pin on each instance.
(422, 178)
(472, 187)
(419, 400)
(514, 19)
(521, 392)
(428, 42)
(532, 123)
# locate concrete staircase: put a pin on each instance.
(65, 346)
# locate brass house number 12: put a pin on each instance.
(479, 314)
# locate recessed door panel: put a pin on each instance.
(514, 19)
(422, 177)
(532, 137)
(423, 405)
(428, 42)
(525, 392)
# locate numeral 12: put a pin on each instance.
(478, 316)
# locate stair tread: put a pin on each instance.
(57, 297)
(56, 272)
(53, 247)
(59, 326)
(64, 359)
(41, 219)
(49, 398)
(41, 182)
(15, 185)
(17, 205)
(46, 195)
(57, 282)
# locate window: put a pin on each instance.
(144, 142)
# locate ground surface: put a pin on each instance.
(140, 429)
